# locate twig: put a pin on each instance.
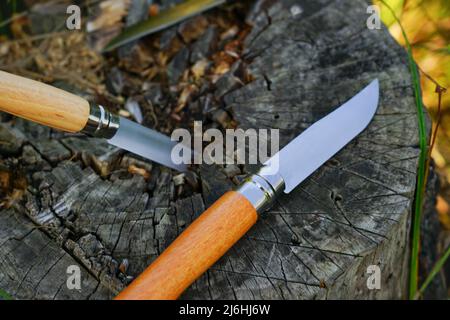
(439, 90)
(12, 18)
(38, 37)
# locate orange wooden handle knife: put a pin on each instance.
(230, 217)
(195, 250)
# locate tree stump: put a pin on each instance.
(305, 58)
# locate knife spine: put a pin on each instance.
(101, 123)
(261, 189)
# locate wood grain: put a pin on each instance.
(195, 250)
(42, 103)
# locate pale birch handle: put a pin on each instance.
(42, 103)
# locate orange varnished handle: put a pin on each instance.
(195, 250)
(42, 103)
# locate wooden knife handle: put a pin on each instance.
(195, 250)
(42, 103)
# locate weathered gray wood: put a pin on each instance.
(354, 211)
(83, 207)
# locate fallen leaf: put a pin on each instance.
(133, 169)
(111, 13)
(193, 28)
(5, 177)
(230, 33)
(185, 97)
(153, 10)
(199, 68)
(123, 267)
(443, 210)
(18, 25)
(222, 68)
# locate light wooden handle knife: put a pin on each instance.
(56, 108)
(228, 219)
(42, 103)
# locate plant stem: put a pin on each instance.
(13, 7)
(420, 187)
(436, 268)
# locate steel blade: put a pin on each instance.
(163, 20)
(317, 144)
(145, 142)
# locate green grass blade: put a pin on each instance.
(437, 267)
(163, 20)
(420, 188)
(13, 6)
(2, 28)
(4, 295)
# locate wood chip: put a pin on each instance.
(179, 179)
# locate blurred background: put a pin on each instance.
(427, 26)
(30, 35)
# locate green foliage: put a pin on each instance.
(386, 16)
(7, 10)
(437, 267)
(427, 37)
(4, 295)
(420, 188)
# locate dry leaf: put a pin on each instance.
(111, 14)
(133, 169)
(5, 177)
(443, 210)
(194, 28)
(153, 10)
(199, 68)
(222, 68)
(230, 33)
(185, 97)
(17, 27)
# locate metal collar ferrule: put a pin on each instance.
(261, 189)
(101, 123)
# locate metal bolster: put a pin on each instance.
(262, 188)
(101, 123)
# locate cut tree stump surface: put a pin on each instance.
(306, 58)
